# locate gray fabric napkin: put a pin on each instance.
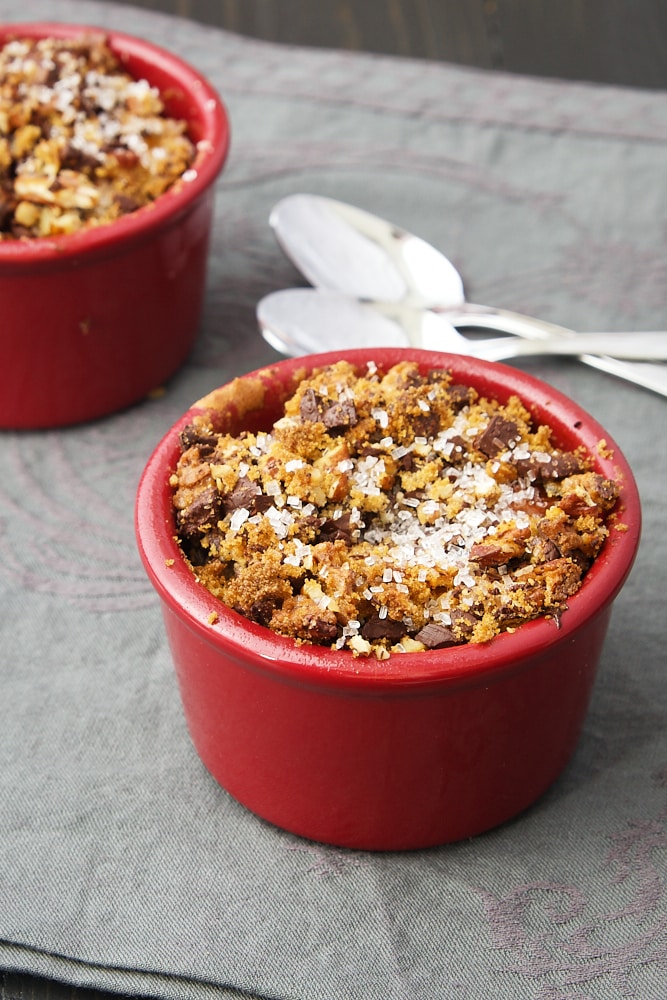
(122, 864)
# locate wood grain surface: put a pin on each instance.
(606, 41)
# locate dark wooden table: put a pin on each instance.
(606, 41)
(15, 987)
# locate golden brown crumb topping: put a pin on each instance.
(389, 513)
(81, 141)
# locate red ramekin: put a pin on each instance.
(92, 321)
(418, 750)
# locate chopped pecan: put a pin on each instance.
(510, 545)
(576, 506)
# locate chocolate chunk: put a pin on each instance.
(74, 158)
(605, 492)
(488, 554)
(309, 408)
(126, 204)
(334, 416)
(383, 628)
(562, 464)
(463, 622)
(191, 435)
(340, 415)
(261, 503)
(425, 424)
(458, 396)
(194, 551)
(564, 537)
(498, 435)
(544, 550)
(337, 528)
(202, 514)
(245, 494)
(322, 631)
(308, 528)
(410, 377)
(6, 211)
(50, 75)
(558, 466)
(435, 636)
(262, 611)
(459, 447)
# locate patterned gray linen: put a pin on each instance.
(122, 864)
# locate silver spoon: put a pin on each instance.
(343, 248)
(299, 321)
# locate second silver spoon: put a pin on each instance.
(305, 320)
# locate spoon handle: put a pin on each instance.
(636, 346)
(468, 316)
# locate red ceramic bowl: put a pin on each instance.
(93, 321)
(414, 751)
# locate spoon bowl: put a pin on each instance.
(345, 249)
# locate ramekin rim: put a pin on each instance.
(225, 629)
